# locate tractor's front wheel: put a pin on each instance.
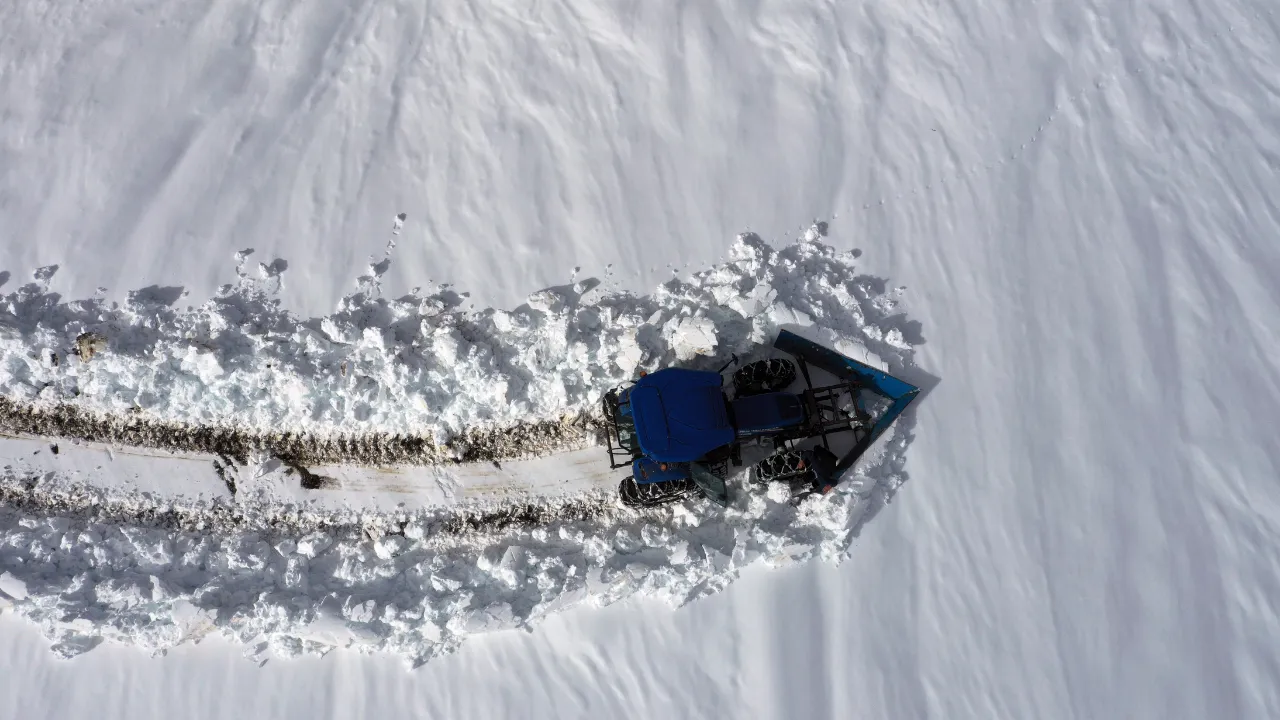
(763, 376)
(634, 494)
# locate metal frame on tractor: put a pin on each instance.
(821, 404)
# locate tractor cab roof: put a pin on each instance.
(680, 414)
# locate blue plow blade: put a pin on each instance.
(898, 391)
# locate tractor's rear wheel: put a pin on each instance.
(763, 376)
(782, 465)
(634, 494)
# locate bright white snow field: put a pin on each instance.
(1079, 198)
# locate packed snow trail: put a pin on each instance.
(89, 557)
(266, 478)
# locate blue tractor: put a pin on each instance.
(679, 430)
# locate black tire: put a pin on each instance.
(763, 376)
(634, 494)
(609, 409)
(785, 465)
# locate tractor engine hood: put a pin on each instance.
(680, 414)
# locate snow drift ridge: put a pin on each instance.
(473, 444)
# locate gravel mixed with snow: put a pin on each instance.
(534, 438)
(93, 564)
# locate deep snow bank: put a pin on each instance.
(97, 564)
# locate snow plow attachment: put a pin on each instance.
(891, 395)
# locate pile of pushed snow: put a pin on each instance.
(419, 364)
(289, 580)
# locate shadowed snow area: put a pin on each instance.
(92, 560)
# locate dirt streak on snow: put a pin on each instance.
(473, 444)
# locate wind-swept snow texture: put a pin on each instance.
(98, 563)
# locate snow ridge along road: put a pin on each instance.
(486, 444)
(285, 571)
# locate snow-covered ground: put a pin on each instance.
(157, 548)
(1077, 197)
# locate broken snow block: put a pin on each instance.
(12, 589)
